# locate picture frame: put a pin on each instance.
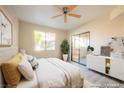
(5, 30)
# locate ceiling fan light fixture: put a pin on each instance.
(66, 12)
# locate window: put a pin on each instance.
(50, 41)
(44, 40)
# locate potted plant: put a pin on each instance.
(90, 49)
(65, 49)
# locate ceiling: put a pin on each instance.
(41, 14)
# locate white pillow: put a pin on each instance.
(29, 57)
(25, 69)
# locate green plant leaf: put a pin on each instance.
(65, 47)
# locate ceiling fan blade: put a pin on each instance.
(71, 7)
(56, 16)
(65, 18)
(59, 8)
(75, 15)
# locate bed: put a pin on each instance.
(54, 73)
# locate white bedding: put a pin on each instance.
(29, 84)
(49, 75)
(54, 73)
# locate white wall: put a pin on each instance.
(26, 39)
(7, 52)
(101, 29)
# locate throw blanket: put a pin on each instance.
(54, 73)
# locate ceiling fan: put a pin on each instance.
(66, 11)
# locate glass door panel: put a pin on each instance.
(75, 48)
(84, 43)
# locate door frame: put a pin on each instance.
(79, 45)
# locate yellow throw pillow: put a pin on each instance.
(10, 71)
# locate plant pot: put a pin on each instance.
(65, 57)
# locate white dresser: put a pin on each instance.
(113, 67)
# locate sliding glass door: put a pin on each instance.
(80, 43)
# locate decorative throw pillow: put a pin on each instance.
(2, 83)
(10, 71)
(29, 57)
(33, 61)
(26, 69)
(34, 64)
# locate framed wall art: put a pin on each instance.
(5, 30)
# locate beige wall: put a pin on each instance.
(101, 29)
(26, 39)
(7, 52)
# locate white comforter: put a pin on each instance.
(54, 73)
